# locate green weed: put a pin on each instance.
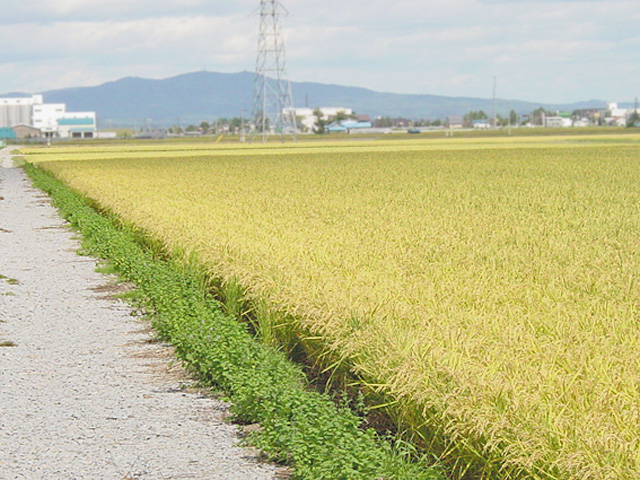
(106, 268)
(9, 281)
(300, 426)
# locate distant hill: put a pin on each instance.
(194, 97)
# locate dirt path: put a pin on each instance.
(83, 393)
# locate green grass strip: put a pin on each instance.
(300, 426)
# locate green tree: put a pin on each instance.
(301, 126)
(235, 124)
(473, 115)
(321, 123)
(539, 114)
(341, 115)
(513, 117)
(384, 122)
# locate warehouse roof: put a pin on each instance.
(76, 121)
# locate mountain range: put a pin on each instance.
(206, 96)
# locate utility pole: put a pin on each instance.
(242, 136)
(272, 99)
(495, 111)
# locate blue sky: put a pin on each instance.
(539, 50)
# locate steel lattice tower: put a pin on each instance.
(272, 98)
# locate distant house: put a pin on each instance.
(348, 126)
(557, 121)
(616, 121)
(336, 127)
(401, 122)
(455, 121)
(351, 124)
(483, 124)
(27, 131)
(617, 116)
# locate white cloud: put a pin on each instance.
(185, 42)
(541, 50)
(96, 10)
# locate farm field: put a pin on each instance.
(487, 287)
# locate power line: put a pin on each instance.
(273, 110)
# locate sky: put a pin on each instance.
(538, 50)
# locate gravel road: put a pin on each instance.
(84, 393)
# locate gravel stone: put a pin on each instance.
(84, 391)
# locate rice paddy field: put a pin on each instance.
(486, 290)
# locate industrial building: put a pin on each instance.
(14, 111)
(33, 118)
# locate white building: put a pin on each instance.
(615, 111)
(17, 111)
(581, 123)
(46, 116)
(52, 119)
(619, 116)
(557, 122)
(308, 119)
(77, 125)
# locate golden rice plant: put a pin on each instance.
(488, 289)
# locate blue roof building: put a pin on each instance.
(347, 126)
(7, 134)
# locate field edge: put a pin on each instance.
(299, 426)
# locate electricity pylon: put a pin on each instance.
(272, 99)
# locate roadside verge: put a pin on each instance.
(299, 426)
